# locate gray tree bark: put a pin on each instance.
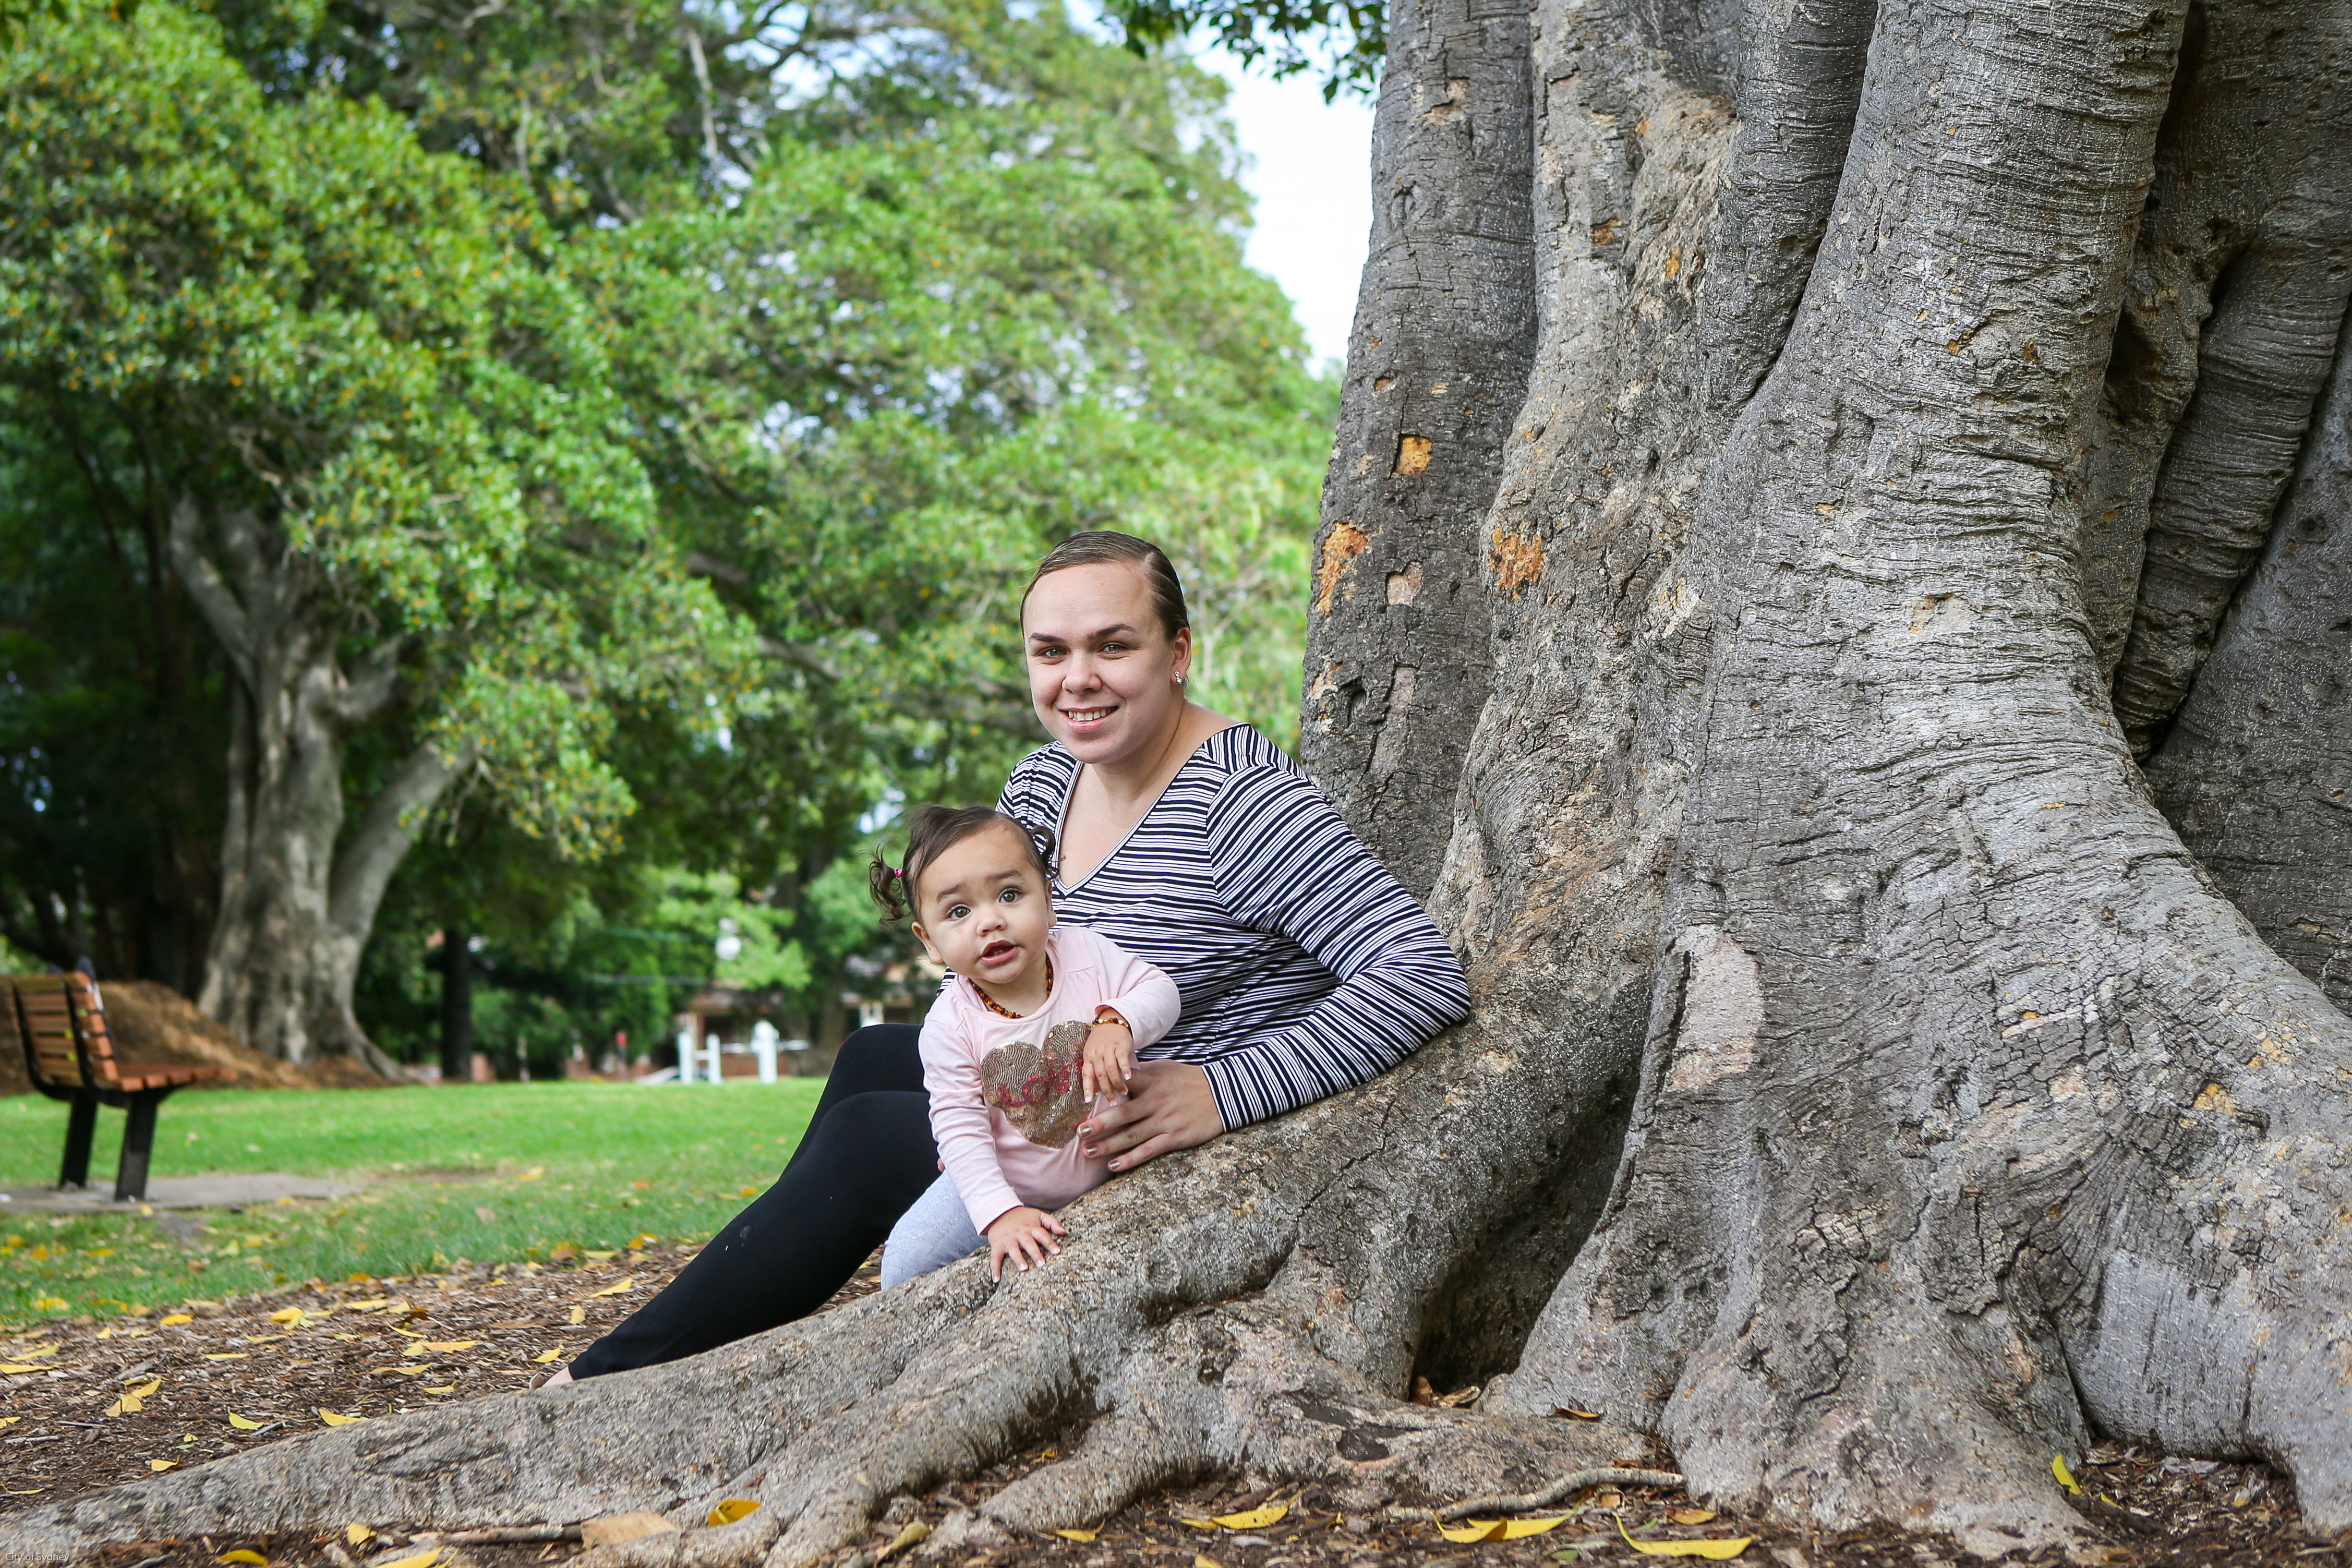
(299, 892)
(1437, 367)
(1870, 1093)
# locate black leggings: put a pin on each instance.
(866, 1156)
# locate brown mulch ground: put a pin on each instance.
(372, 1347)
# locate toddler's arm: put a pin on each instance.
(960, 1123)
(1140, 993)
(1106, 1066)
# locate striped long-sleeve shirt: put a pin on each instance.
(1303, 965)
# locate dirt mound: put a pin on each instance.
(153, 1023)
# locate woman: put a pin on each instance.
(1187, 839)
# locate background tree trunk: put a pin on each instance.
(299, 894)
(1967, 1117)
(456, 1005)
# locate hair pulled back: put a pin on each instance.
(1108, 547)
(935, 830)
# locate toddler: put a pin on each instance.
(1036, 1021)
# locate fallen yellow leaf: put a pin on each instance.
(425, 1559)
(1575, 1415)
(1691, 1515)
(1471, 1529)
(243, 1555)
(133, 1399)
(419, 1348)
(1079, 1535)
(445, 1347)
(38, 1352)
(601, 1256)
(1199, 1523)
(331, 1419)
(1721, 1551)
(1514, 1529)
(227, 1355)
(9, 1420)
(532, 1175)
(749, 1193)
(909, 1534)
(242, 1424)
(1200, 1562)
(1255, 1519)
(175, 1319)
(288, 1315)
(579, 1314)
(445, 1388)
(357, 1534)
(629, 1284)
(2065, 1476)
(17, 1366)
(733, 1508)
(160, 1465)
(367, 1306)
(543, 1357)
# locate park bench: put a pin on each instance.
(70, 1056)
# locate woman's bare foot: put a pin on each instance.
(560, 1376)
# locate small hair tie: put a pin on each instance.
(897, 871)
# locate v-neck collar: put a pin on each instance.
(1070, 790)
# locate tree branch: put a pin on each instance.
(219, 606)
(376, 846)
(373, 688)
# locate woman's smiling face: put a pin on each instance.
(1102, 668)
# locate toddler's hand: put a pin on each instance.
(1024, 1235)
(1107, 1063)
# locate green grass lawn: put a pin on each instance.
(494, 1174)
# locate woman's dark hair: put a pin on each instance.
(935, 830)
(1107, 547)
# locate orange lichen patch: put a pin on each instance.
(1413, 455)
(1518, 561)
(1341, 545)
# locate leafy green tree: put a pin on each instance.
(348, 396)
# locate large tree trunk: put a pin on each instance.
(299, 894)
(1869, 1094)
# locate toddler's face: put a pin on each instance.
(982, 910)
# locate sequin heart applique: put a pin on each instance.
(1038, 1090)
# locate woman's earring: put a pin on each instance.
(1180, 678)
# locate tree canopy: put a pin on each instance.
(667, 472)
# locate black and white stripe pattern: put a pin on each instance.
(1304, 966)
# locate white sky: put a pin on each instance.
(1311, 176)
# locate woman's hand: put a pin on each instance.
(1024, 1235)
(1169, 1106)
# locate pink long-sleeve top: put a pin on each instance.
(1006, 1096)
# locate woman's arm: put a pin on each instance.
(1286, 862)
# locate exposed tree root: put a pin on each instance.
(1253, 1306)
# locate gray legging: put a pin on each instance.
(933, 1234)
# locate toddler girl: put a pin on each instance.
(1036, 1020)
